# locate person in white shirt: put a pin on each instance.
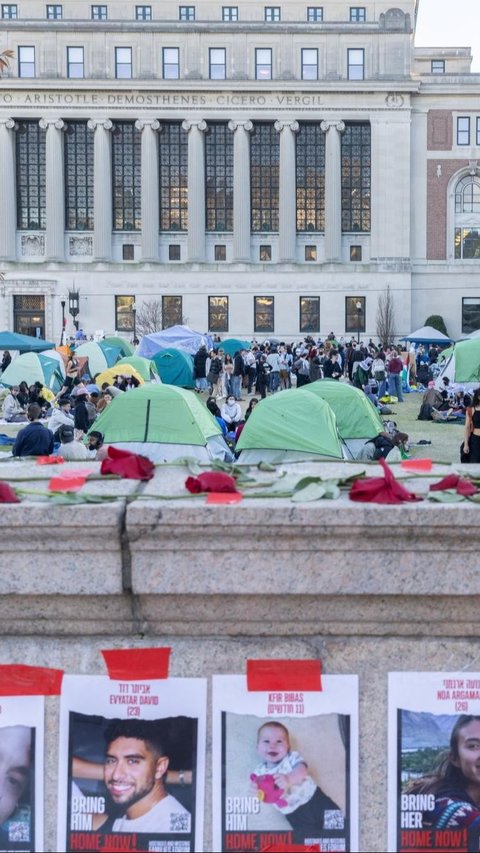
(231, 413)
(61, 416)
(70, 449)
(134, 771)
(12, 410)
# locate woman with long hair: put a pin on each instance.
(455, 783)
(471, 441)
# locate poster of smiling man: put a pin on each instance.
(132, 764)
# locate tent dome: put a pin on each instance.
(175, 367)
(290, 425)
(162, 422)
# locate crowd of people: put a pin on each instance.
(268, 368)
(271, 367)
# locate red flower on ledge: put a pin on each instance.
(211, 481)
(7, 495)
(381, 490)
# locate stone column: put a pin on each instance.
(241, 189)
(150, 189)
(333, 190)
(288, 194)
(102, 194)
(55, 189)
(8, 207)
(196, 189)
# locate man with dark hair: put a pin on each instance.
(134, 771)
(34, 439)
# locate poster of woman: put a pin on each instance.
(434, 750)
(132, 764)
(285, 766)
(21, 773)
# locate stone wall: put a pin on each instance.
(368, 589)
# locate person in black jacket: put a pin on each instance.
(81, 414)
(34, 439)
(200, 365)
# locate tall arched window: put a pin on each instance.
(467, 218)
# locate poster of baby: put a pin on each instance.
(285, 766)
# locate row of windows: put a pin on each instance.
(217, 63)
(468, 130)
(263, 313)
(173, 168)
(54, 12)
(220, 252)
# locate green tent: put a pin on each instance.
(157, 413)
(124, 346)
(33, 367)
(100, 355)
(355, 414)
(233, 345)
(23, 343)
(144, 366)
(293, 422)
(175, 367)
(464, 363)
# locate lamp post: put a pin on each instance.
(358, 306)
(62, 303)
(134, 315)
(74, 306)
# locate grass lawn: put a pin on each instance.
(445, 437)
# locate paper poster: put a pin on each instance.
(132, 764)
(21, 773)
(434, 761)
(285, 766)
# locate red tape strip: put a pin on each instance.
(137, 664)
(22, 680)
(284, 675)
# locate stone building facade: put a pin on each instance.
(261, 170)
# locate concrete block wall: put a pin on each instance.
(366, 588)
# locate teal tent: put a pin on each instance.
(289, 426)
(163, 423)
(144, 366)
(120, 343)
(100, 356)
(175, 367)
(233, 345)
(33, 367)
(23, 343)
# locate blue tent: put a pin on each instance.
(178, 337)
(23, 343)
(233, 345)
(175, 367)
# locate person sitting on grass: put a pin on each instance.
(34, 439)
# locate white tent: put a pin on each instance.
(427, 335)
(179, 337)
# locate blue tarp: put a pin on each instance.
(178, 337)
(23, 343)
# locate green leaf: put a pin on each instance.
(447, 497)
(311, 492)
(266, 466)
